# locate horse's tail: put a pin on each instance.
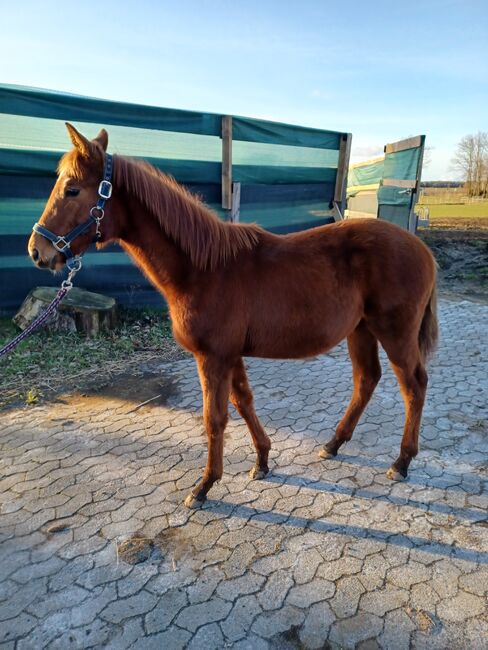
(429, 328)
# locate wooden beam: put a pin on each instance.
(227, 162)
(342, 171)
(401, 145)
(236, 202)
(413, 219)
(396, 182)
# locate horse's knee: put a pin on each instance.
(215, 424)
(242, 400)
(421, 376)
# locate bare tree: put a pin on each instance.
(471, 160)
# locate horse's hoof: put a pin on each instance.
(325, 453)
(394, 475)
(257, 473)
(193, 503)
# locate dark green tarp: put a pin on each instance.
(287, 173)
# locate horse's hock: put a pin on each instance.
(80, 311)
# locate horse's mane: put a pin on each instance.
(199, 232)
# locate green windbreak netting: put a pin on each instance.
(395, 198)
(365, 176)
(392, 178)
(402, 165)
(36, 102)
(264, 131)
(287, 173)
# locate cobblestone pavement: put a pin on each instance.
(98, 550)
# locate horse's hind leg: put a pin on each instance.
(363, 350)
(241, 398)
(406, 362)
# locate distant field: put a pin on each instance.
(455, 212)
(472, 210)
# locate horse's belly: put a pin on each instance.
(296, 342)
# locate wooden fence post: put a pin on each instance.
(227, 162)
(236, 202)
(341, 178)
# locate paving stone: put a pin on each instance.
(247, 584)
(381, 601)
(193, 616)
(346, 599)
(461, 607)
(166, 609)
(238, 623)
(397, 630)
(304, 596)
(275, 590)
(125, 608)
(46, 631)
(208, 637)
(315, 629)
(13, 628)
(319, 554)
(96, 633)
(408, 575)
(351, 631)
(127, 636)
(270, 624)
(476, 582)
(203, 588)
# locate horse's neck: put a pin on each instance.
(153, 251)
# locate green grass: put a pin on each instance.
(468, 210)
(46, 362)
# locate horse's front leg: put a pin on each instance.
(241, 397)
(215, 378)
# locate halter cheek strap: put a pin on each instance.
(62, 243)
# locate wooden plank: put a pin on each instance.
(401, 145)
(356, 214)
(396, 182)
(342, 171)
(413, 220)
(227, 162)
(236, 202)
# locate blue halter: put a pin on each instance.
(62, 243)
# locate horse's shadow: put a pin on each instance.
(274, 517)
(446, 480)
(475, 516)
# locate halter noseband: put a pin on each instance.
(62, 243)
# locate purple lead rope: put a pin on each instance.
(38, 322)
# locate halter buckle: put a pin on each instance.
(61, 240)
(105, 190)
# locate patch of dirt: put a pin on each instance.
(135, 549)
(426, 622)
(462, 256)
(145, 389)
(171, 544)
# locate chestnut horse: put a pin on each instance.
(236, 290)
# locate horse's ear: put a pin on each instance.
(79, 141)
(102, 139)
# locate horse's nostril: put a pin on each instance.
(35, 254)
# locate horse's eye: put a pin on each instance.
(71, 191)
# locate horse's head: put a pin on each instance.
(73, 196)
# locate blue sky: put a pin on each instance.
(381, 70)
